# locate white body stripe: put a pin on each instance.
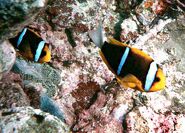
(150, 76)
(39, 50)
(21, 37)
(123, 59)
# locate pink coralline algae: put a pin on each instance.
(96, 118)
(11, 92)
(87, 93)
(144, 119)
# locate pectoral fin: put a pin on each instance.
(130, 81)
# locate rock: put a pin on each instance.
(11, 92)
(144, 120)
(76, 15)
(177, 35)
(15, 14)
(7, 57)
(86, 108)
(38, 73)
(38, 80)
(167, 49)
(87, 95)
(27, 119)
(86, 92)
(97, 117)
(33, 91)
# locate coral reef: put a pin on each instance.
(154, 122)
(11, 92)
(78, 88)
(7, 57)
(27, 119)
(15, 14)
(38, 73)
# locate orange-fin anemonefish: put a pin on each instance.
(133, 68)
(31, 46)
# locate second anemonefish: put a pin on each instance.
(133, 68)
(31, 46)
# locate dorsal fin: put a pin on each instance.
(97, 36)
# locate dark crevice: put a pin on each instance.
(39, 118)
(70, 37)
(82, 1)
(7, 113)
(93, 99)
(117, 27)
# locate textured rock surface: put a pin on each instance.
(7, 57)
(177, 36)
(11, 92)
(27, 119)
(15, 14)
(86, 92)
(38, 73)
(144, 119)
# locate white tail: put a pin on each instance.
(97, 36)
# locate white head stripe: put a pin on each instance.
(150, 76)
(39, 50)
(21, 37)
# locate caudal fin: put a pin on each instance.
(97, 36)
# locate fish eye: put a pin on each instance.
(43, 53)
(157, 79)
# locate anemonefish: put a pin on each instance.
(31, 46)
(133, 68)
